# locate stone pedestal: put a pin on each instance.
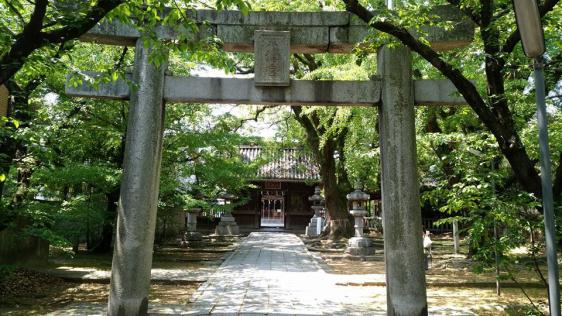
(227, 226)
(456, 238)
(359, 245)
(192, 234)
(312, 228)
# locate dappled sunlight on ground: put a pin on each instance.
(451, 281)
(70, 294)
(273, 273)
(81, 283)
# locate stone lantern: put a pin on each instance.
(315, 227)
(227, 225)
(191, 226)
(359, 245)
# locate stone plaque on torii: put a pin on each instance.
(393, 90)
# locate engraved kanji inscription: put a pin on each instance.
(272, 49)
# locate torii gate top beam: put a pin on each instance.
(301, 92)
(311, 32)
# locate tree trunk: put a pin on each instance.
(104, 246)
(18, 109)
(340, 224)
(336, 203)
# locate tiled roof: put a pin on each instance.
(291, 164)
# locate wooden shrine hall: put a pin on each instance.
(282, 188)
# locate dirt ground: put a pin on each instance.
(450, 278)
(28, 292)
(33, 293)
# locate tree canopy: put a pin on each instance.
(61, 158)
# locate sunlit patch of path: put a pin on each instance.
(274, 274)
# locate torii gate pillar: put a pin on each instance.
(405, 275)
(136, 220)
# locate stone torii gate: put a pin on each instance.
(273, 36)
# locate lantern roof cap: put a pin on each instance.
(316, 197)
(227, 196)
(358, 195)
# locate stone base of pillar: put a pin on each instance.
(192, 236)
(360, 246)
(227, 226)
(312, 229)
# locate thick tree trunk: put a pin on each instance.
(340, 224)
(104, 246)
(112, 197)
(9, 144)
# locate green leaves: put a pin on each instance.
(201, 158)
(241, 5)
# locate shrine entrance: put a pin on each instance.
(273, 209)
(273, 37)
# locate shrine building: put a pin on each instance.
(282, 187)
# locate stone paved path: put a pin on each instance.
(274, 274)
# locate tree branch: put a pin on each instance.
(89, 21)
(121, 59)
(486, 12)
(506, 136)
(259, 111)
(308, 60)
(26, 42)
(32, 38)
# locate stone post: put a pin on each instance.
(403, 248)
(136, 220)
(192, 234)
(456, 238)
(316, 220)
(227, 226)
(359, 245)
